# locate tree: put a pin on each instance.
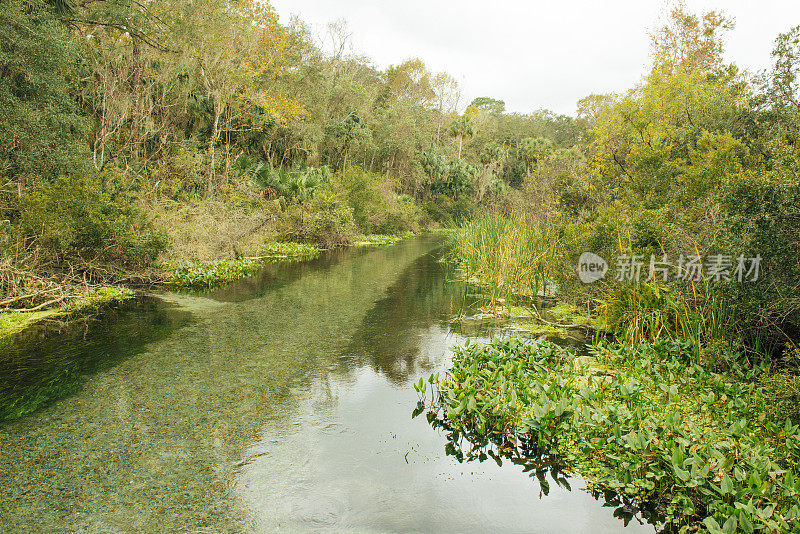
(534, 150)
(780, 86)
(489, 105)
(43, 131)
(347, 134)
(688, 43)
(461, 127)
(447, 96)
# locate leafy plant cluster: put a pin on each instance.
(697, 445)
(292, 184)
(198, 274)
(380, 240)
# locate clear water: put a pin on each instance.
(281, 404)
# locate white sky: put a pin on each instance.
(537, 53)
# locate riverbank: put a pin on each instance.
(695, 444)
(690, 415)
(13, 323)
(193, 274)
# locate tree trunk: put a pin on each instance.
(211, 148)
(460, 139)
(134, 138)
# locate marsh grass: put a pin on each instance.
(508, 257)
(698, 313)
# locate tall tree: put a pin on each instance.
(43, 131)
(460, 128)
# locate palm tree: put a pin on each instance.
(534, 150)
(461, 127)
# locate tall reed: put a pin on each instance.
(696, 312)
(508, 257)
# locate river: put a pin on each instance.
(279, 404)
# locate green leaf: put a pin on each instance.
(745, 523)
(726, 485)
(712, 525)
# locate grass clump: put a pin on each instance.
(507, 256)
(649, 422)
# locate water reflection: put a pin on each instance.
(392, 331)
(531, 457)
(278, 405)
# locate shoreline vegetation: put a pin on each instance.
(192, 275)
(688, 447)
(684, 404)
(13, 323)
(186, 143)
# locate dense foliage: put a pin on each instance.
(693, 445)
(698, 160)
(127, 124)
(691, 416)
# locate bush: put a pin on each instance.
(297, 183)
(761, 213)
(377, 209)
(326, 220)
(89, 216)
(181, 175)
(447, 211)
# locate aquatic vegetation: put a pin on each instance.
(372, 240)
(568, 314)
(53, 360)
(291, 250)
(12, 323)
(646, 421)
(507, 257)
(645, 311)
(198, 274)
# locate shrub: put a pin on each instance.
(447, 211)
(89, 216)
(326, 220)
(760, 216)
(376, 207)
(296, 183)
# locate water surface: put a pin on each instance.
(280, 404)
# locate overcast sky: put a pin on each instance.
(531, 53)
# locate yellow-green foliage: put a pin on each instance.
(380, 239)
(508, 256)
